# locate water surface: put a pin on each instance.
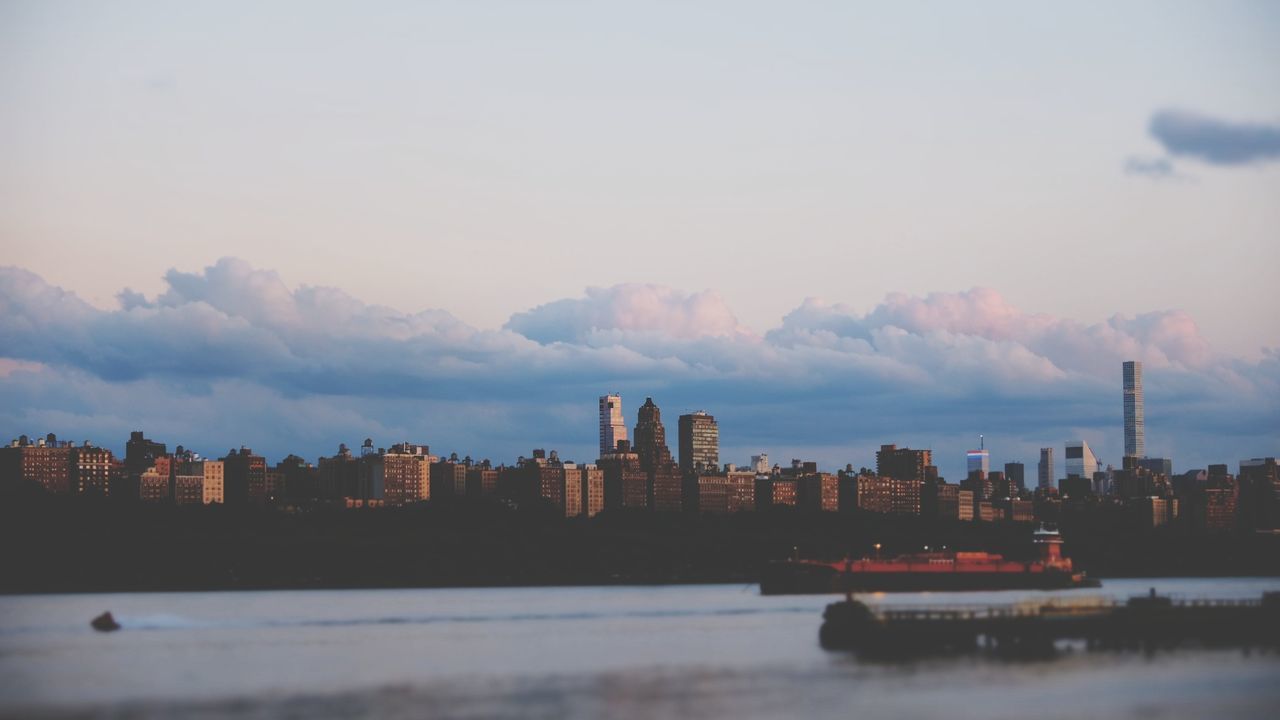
(689, 651)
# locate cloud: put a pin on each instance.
(1153, 167)
(1218, 142)
(232, 354)
(629, 308)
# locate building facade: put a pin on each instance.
(1080, 460)
(406, 474)
(212, 487)
(1045, 478)
(902, 463)
(978, 461)
(699, 443)
(43, 462)
(591, 478)
(1135, 439)
(245, 476)
(1015, 473)
(883, 494)
(613, 427)
(664, 483)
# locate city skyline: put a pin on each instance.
(450, 337)
(831, 226)
(927, 371)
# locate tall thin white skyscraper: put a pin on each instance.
(1135, 434)
(612, 427)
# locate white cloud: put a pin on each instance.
(232, 355)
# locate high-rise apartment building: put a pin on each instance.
(886, 494)
(154, 482)
(1135, 439)
(1080, 460)
(760, 464)
(1259, 480)
(406, 474)
(592, 480)
(613, 427)
(1044, 471)
(902, 463)
(699, 443)
(626, 484)
(245, 478)
(212, 488)
(46, 462)
(666, 489)
(92, 469)
(339, 475)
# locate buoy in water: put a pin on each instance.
(104, 623)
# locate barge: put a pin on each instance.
(930, 571)
(1147, 622)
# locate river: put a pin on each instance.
(698, 651)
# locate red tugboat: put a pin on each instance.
(929, 571)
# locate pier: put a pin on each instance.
(1148, 622)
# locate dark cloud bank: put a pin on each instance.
(1219, 142)
(232, 355)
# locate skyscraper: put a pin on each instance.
(978, 460)
(699, 443)
(665, 486)
(612, 426)
(651, 436)
(1135, 440)
(1080, 460)
(1044, 477)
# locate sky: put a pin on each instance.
(832, 225)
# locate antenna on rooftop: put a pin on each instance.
(982, 442)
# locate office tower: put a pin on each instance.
(978, 460)
(612, 425)
(902, 463)
(1015, 472)
(1080, 460)
(699, 443)
(1044, 476)
(1135, 440)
